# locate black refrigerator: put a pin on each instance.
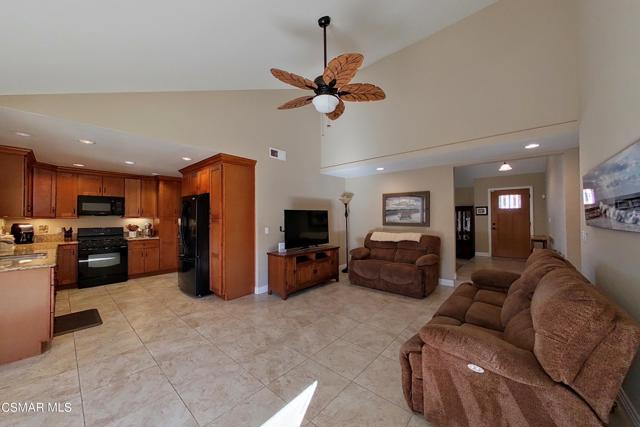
(193, 272)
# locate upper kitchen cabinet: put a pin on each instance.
(148, 198)
(168, 198)
(66, 195)
(44, 191)
(195, 182)
(16, 178)
(131, 197)
(100, 185)
(112, 186)
(140, 197)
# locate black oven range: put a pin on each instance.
(102, 256)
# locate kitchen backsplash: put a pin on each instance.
(51, 229)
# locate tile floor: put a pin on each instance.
(162, 358)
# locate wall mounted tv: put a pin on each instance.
(303, 228)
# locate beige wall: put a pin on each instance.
(512, 66)
(244, 123)
(481, 188)
(556, 217)
(366, 207)
(572, 205)
(464, 196)
(610, 108)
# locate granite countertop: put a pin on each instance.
(48, 248)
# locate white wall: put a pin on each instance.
(609, 122)
(366, 207)
(510, 67)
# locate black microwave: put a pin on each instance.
(100, 206)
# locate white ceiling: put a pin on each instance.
(465, 175)
(462, 154)
(56, 141)
(71, 46)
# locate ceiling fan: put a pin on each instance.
(332, 87)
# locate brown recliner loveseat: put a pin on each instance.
(544, 348)
(406, 267)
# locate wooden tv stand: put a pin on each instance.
(298, 269)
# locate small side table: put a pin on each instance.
(543, 240)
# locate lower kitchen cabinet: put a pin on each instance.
(67, 265)
(144, 256)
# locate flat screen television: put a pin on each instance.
(303, 228)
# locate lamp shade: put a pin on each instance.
(346, 197)
(325, 103)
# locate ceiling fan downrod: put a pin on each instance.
(324, 23)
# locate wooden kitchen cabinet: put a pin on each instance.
(100, 185)
(16, 182)
(148, 198)
(131, 197)
(190, 183)
(202, 181)
(44, 192)
(89, 185)
(66, 195)
(167, 228)
(67, 265)
(168, 198)
(144, 256)
(112, 186)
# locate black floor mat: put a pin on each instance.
(76, 321)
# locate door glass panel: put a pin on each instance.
(509, 201)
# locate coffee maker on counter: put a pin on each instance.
(22, 233)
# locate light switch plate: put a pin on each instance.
(266, 230)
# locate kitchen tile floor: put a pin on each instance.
(162, 358)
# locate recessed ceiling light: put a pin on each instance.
(186, 159)
(155, 173)
(26, 135)
(379, 169)
(129, 162)
(505, 167)
(86, 141)
(531, 146)
(80, 165)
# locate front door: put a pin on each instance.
(510, 223)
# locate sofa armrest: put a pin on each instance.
(493, 279)
(487, 351)
(359, 253)
(427, 260)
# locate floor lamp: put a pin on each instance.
(345, 198)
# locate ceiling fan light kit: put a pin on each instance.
(332, 87)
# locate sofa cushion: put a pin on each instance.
(519, 330)
(399, 273)
(458, 303)
(368, 268)
(483, 314)
(491, 297)
(383, 254)
(570, 319)
(409, 256)
(521, 291)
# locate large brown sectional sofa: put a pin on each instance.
(406, 267)
(544, 348)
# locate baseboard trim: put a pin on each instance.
(629, 409)
(261, 289)
(342, 266)
(482, 254)
(447, 282)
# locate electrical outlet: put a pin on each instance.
(585, 235)
(266, 230)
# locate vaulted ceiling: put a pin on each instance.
(70, 46)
